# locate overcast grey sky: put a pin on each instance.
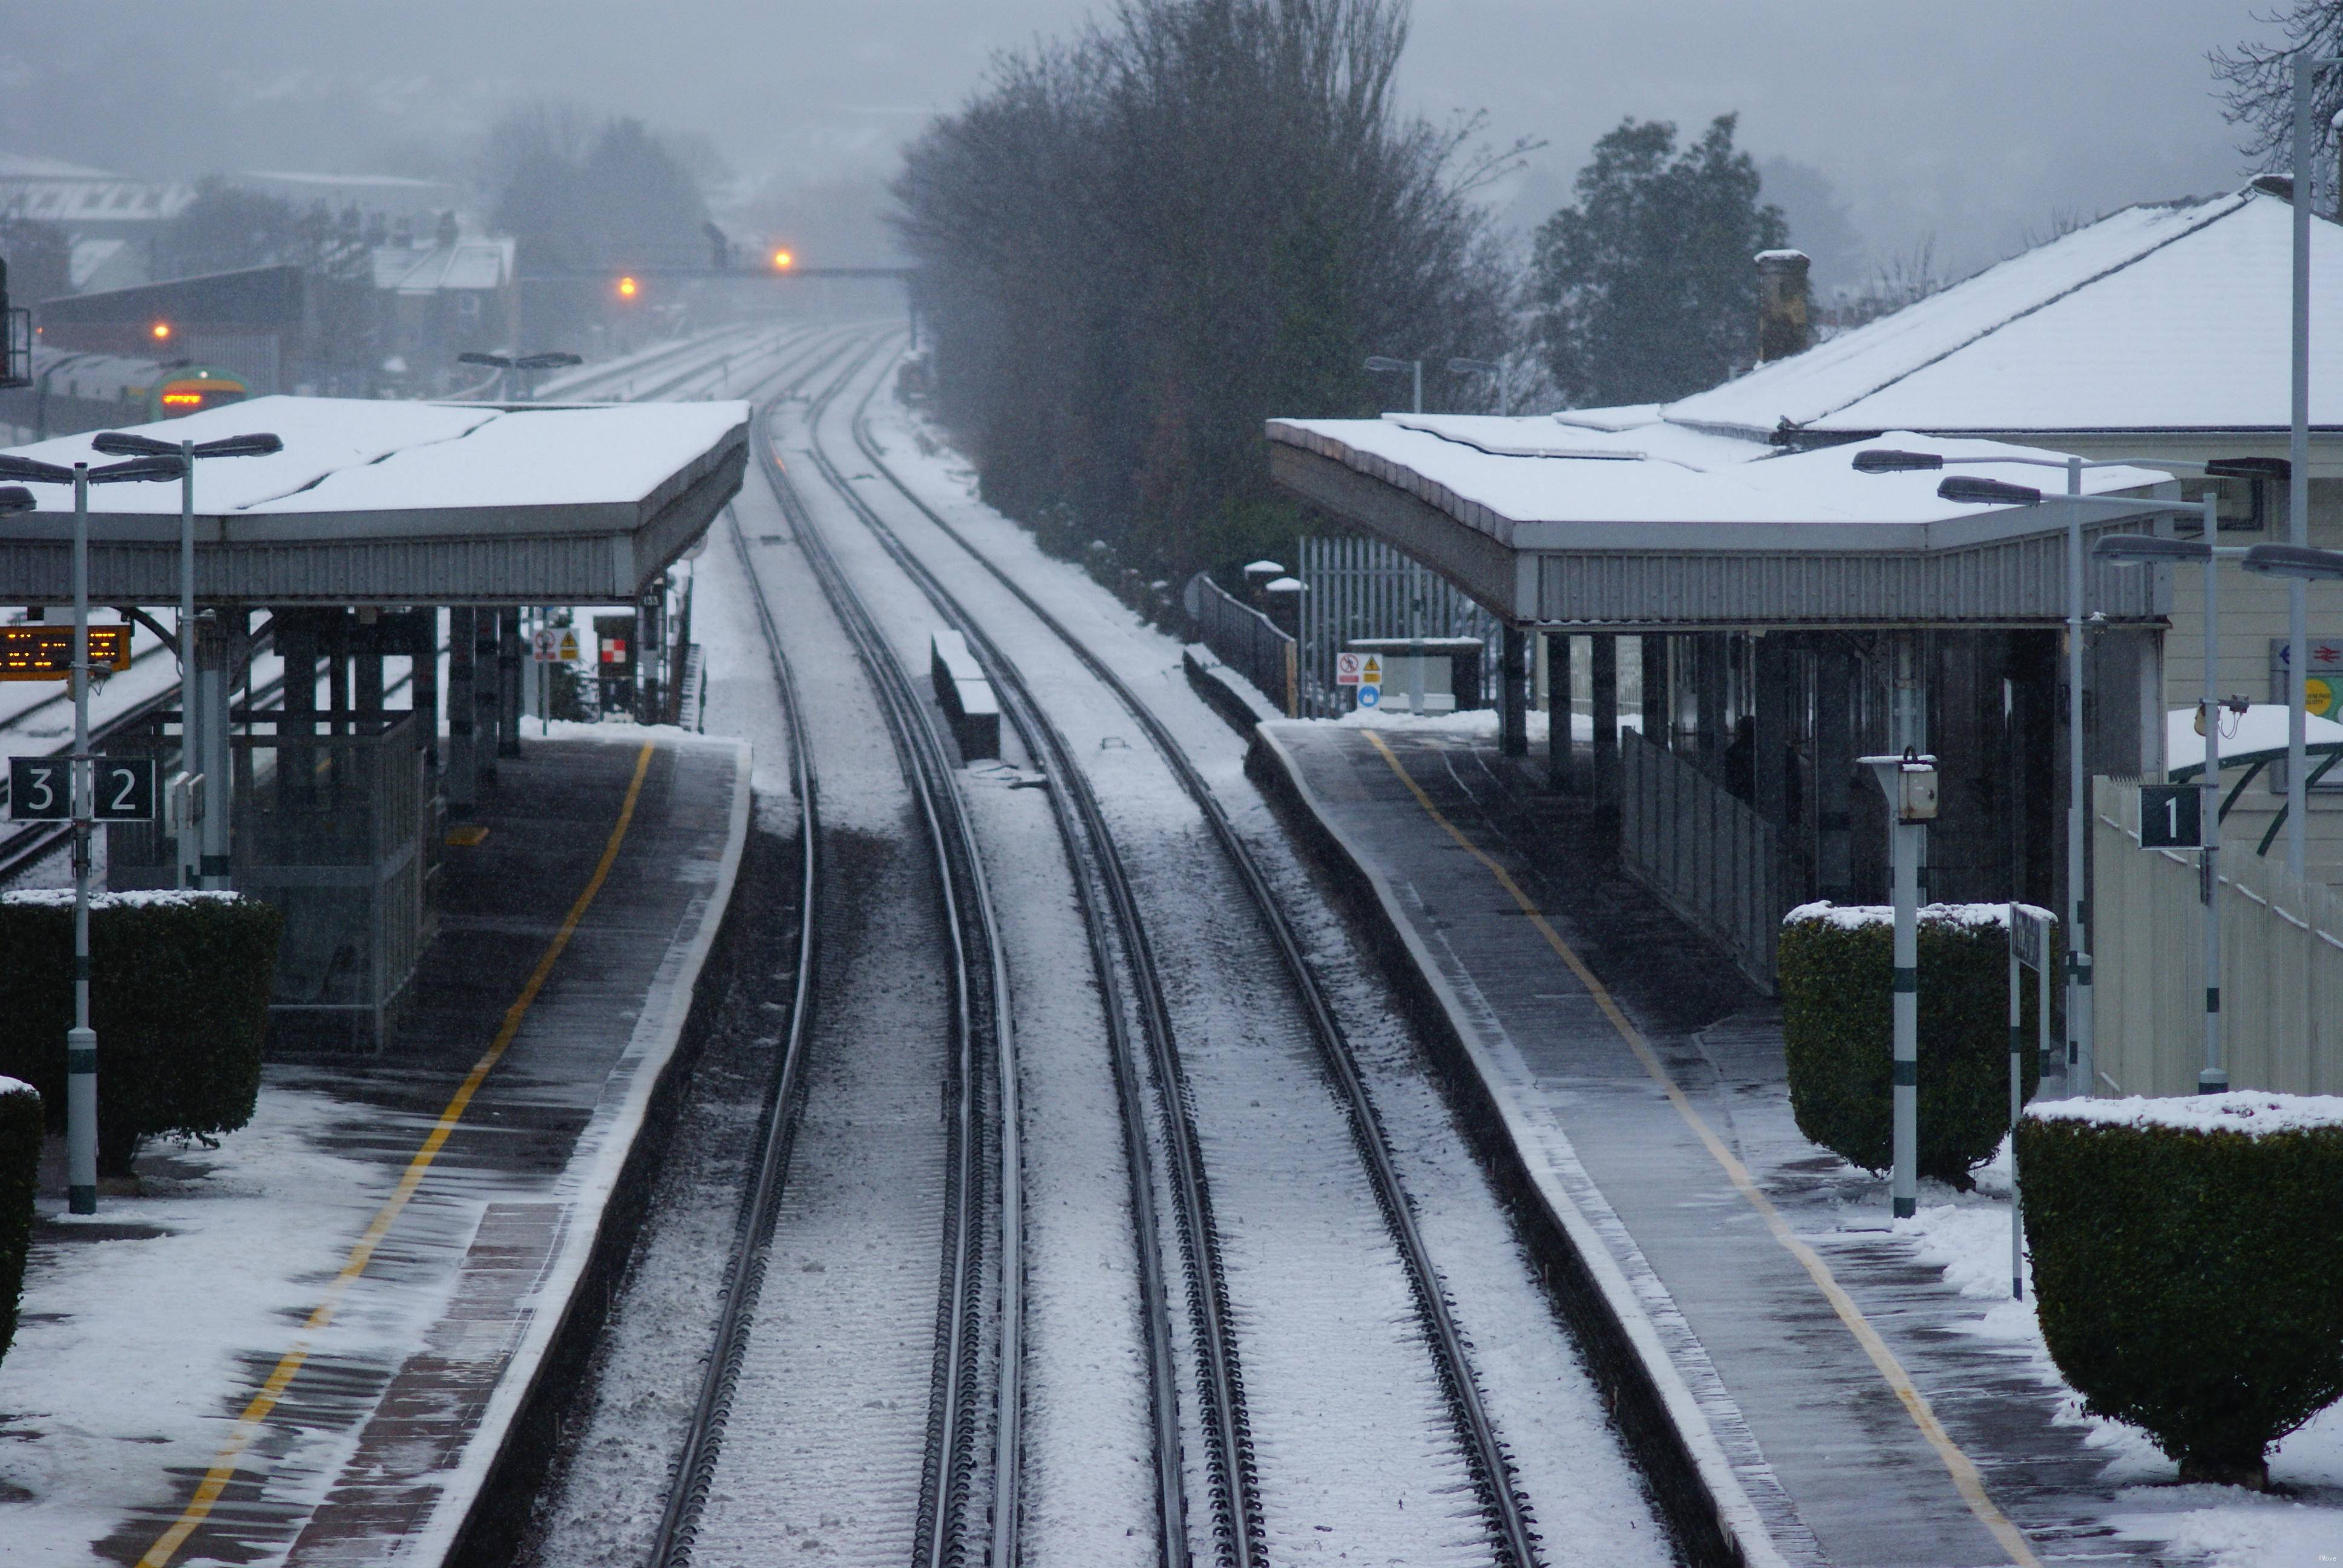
(1973, 121)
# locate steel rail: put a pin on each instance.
(951, 1415)
(1510, 1526)
(1229, 1466)
(947, 1484)
(695, 1472)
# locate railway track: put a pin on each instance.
(981, 1158)
(1240, 1525)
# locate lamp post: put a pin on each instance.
(194, 742)
(2081, 1054)
(81, 1040)
(1909, 782)
(1414, 366)
(1477, 367)
(2139, 549)
(528, 363)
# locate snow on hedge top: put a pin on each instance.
(1853, 917)
(2248, 1110)
(16, 1086)
(132, 898)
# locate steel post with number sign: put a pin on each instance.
(2029, 947)
(2214, 1078)
(81, 1042)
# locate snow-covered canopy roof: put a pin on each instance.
(2162, 317)
(1552, 488)
(1546, 522)
(380, 501)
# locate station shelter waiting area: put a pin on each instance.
(385, 542)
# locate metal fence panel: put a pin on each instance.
(1706, 853)
(2281, 966)
(1246, 640)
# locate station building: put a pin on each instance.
(1788, 613)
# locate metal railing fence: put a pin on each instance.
(1355, 587)
(2281, 965)
(1246, 640)
(1706, 853)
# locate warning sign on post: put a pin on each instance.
(1347, 668)
(554, 645)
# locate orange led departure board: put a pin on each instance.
(45, 652)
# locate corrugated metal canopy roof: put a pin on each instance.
(381, 502)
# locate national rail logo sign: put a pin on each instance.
(45, 652)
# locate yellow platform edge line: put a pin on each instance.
(1964, 1470)
(248, 1424)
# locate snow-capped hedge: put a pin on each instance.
(20, 1170)
(2189, 1265)
(178, 997)
(1836, 970)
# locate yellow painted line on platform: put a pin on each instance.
(248, 1424)
(1964, 1470)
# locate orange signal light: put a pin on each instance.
(162, 331)
(628, 288)
(783, 261)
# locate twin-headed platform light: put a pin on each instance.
(1969, 490)
(528, 365)
(147, 459)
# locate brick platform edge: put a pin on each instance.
(485, 1507)
(1665, 1425)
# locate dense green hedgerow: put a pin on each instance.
(20, 1170)
(178, 997)
(2189, 1280)
(1836, 968)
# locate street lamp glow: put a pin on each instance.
(628, 288)
(161, 331)
(783, 260)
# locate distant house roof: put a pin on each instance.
(469, 263)
(2160, 318)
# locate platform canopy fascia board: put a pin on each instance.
(573, 552)
(2001, 568)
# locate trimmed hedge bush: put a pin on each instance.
(179, 999)
(1836, 968)
(2188, 1266)
(20, 1174)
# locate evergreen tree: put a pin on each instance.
(1646, 285)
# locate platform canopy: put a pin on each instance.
(375, 502)
(1547, 523)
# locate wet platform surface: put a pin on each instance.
(1819, 1439)
(386, 1415)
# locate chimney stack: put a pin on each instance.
(1784, 326)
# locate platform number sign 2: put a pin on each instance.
(40, 789)
(2169, 817)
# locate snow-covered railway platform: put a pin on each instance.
(1838, 1387)
(319, 1342)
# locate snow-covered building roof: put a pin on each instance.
(2166, 317)
(474, 263)
(375, 501)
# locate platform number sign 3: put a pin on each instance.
(2168, 817)
(40, 789)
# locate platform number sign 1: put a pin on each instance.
(2169, 817)
(40, 789)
